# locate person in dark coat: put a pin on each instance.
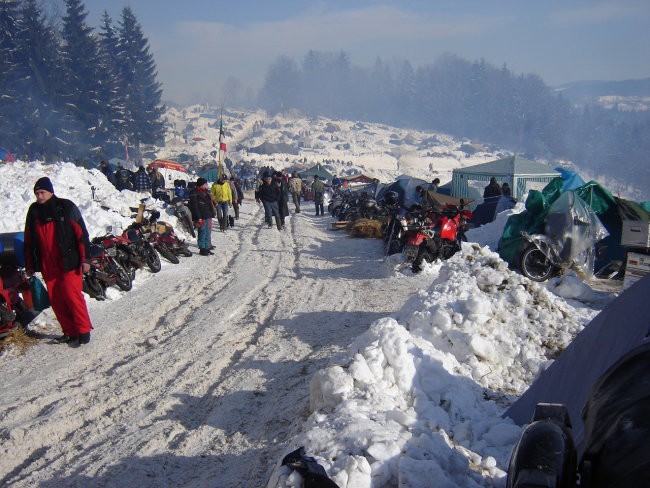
(56, 244)
(318, 191)
(283, 204)
(492, 190)
(203, 212)
(107, 171)
(123, 178)
(141, 181)
(269, 195)
(157, 180)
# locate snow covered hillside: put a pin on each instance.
(207, 373)
(345, 147)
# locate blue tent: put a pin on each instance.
(572, 180)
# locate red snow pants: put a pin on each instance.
(68, 302)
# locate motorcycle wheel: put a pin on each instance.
(535, 265)
(167, 253)
(185, 252)
(123, 279)
(93, 288)
(153, 260)
(394, 246)
(188, 225)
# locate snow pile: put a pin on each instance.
(423, 393)
(101, 205)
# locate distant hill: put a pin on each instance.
(583, 92)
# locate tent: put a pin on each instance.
(521, 174)
(5, 156)
(620, 327)
(404, 186)
(359, 178)
(317, 169)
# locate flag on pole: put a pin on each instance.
(222, 145)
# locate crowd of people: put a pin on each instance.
(57, 242)
(146, 181)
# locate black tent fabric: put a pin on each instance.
(617, 427)
(622, 326)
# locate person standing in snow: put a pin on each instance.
(107, 171)
(295, 187)
(141, 181)
(222, 198)
(157, 180)
(56, 244)
(123, 178)
(269, 194)
(492, 190)
(318, 190)
(202, 211)
(237, 195)
(434, 185)
(283, 204)
(336, 182)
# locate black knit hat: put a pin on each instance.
(201, 182)
(43, 183)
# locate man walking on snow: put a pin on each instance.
(269, 194)
(56, 244)
(318, 190)
(222, 198)
(295, 187)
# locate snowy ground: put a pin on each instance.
(207, 373)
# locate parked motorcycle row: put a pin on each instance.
(114, 259)
(419, 233)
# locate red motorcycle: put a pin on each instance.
(417, 227)
(443, 240)
(105, 270)
(15, 293)
(162, 237)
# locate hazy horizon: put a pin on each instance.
(200, 44)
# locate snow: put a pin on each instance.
(209, 372)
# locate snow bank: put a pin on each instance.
(423, 393)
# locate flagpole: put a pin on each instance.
(219, 164)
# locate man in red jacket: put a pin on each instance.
(56, 244)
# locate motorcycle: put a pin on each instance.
(163, 238)
(571, 233)
(444, 239)
(140, 251)
(104, 270)
(182, 212)
(15, 293)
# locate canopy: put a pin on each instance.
(520, 173)
(317, 169)
(167, 164)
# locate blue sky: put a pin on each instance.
(198, 44)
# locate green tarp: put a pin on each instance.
(611, 212)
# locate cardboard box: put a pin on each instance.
(637, 266)
(636, 233)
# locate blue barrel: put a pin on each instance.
(12, 248)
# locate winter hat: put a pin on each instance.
(201, 182)
(43, 183)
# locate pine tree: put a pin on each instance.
(41, 121)
(112, 126)
(143, 109)
(9, 74)
(83, 81)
